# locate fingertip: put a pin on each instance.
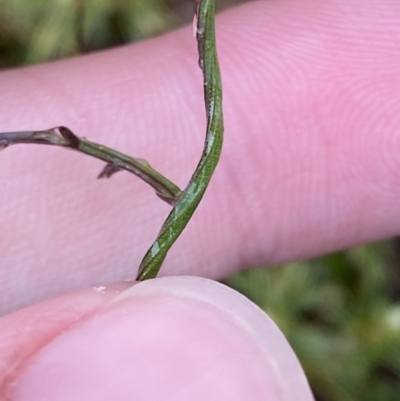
(23, 333)
(174, 338)
(283, 372)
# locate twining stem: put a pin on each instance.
(193, 193)
(184, 203)
(116, 161)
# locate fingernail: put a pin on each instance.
(175, 338)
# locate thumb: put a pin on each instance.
(183, 338)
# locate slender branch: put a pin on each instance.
(184, 203)
(193, 193)
(116, 161)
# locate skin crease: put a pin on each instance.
(310, 161)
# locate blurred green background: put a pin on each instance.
(341, 313)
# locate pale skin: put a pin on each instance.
(310, 165)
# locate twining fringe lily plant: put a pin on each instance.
(184, 202)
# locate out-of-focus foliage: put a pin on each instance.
(341, 313)
(37, 31)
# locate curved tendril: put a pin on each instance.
(193, 193)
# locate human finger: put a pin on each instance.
(174, 338)
(310, 162)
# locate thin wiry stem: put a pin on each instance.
(193, 193)
(116, 161)
(184, 203)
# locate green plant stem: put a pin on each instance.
(116, 161)
(193, 193)
(184, 203)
